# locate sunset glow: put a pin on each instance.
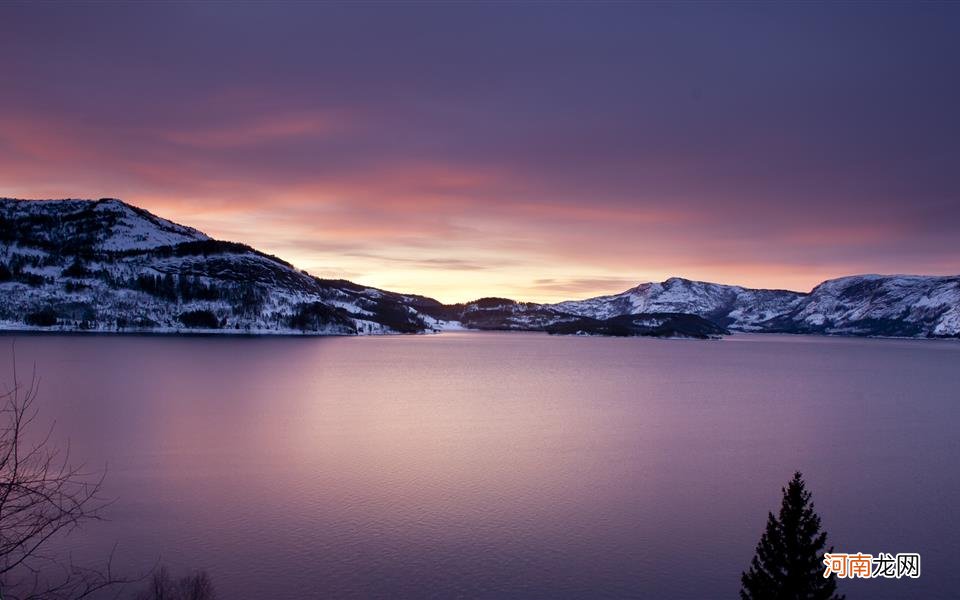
(586, 151)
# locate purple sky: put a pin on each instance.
(538, 151)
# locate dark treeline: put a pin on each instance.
(184, 288)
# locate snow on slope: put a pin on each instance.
(107, 266)
(116, 225)
(898, 305)
(137, 228)
(727, 305)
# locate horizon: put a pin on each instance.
(592, 148)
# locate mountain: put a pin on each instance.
(105, 265)
(862, 305)
(877, 305)
(726, 305)
(865, 305)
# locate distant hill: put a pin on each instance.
(104, 265)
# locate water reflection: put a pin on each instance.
(504, 465)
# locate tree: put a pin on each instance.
(42, 496)
(788, 564)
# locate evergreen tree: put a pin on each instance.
(788, 564)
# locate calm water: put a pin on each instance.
(485, 465)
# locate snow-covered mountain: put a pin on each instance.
(886, 305)
(874, 305)
(107, 266)
(865, 305)
(727, 305)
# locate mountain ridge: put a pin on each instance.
(106, 265)
(867, 305)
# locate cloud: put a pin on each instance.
(428, 263)
(259, 131)
(588, 285)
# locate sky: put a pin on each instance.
(539, 151)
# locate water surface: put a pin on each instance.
(492, 465)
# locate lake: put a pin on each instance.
(503, 465)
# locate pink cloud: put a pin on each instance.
(423, 224)
(260, 130)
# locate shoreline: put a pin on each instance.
(231, 333)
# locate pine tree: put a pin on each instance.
(788, 564)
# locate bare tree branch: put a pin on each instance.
(42, 496)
